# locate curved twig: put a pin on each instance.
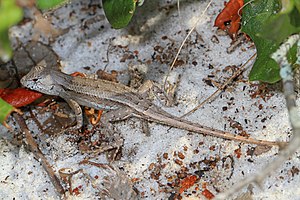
(220, 89)
(286, 74)
(183, 42)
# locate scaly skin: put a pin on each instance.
(106, 95)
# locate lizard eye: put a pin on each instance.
(35, 79)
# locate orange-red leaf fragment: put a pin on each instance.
(208, 194)
(187, 183)
(230, 14)
(19, 97)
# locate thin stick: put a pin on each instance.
(179, 15)
(34, 148)
(286, 74)
(246, 4)
(88, 162)
(220, 89)
(183, 42)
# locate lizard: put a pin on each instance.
(119, 100)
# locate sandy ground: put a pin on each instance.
(159, 164)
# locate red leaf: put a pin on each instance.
(230, 14)
(19, 97)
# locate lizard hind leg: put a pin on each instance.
(114, 147)
(119, 114)
(123, 114)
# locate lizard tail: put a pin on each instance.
(167, 119)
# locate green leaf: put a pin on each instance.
(292, 54)
(287, 22)
(5, 48)
(10, 14)
(269, 23)
(297, 4)
(46, 4)
(5, 110)
(119, 12)
(255, 15)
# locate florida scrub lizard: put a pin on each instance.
(122, 101)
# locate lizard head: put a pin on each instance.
(39, 79)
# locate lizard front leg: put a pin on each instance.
(152, 90)
(78, 114)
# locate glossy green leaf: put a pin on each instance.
(255, 15)
(269, 23)
(297, 5)
(47, 4)
(119, 12)
(10, 14)
(287, 22)
(292, 54)
(5, 47)
(5, 110)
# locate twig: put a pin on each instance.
(36, 121)
(183, 42)
(289, 93)
(220, 89)
(179, 14)
(33, 147)
(107, 54)
(86, 162)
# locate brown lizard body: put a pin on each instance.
(116, 98)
